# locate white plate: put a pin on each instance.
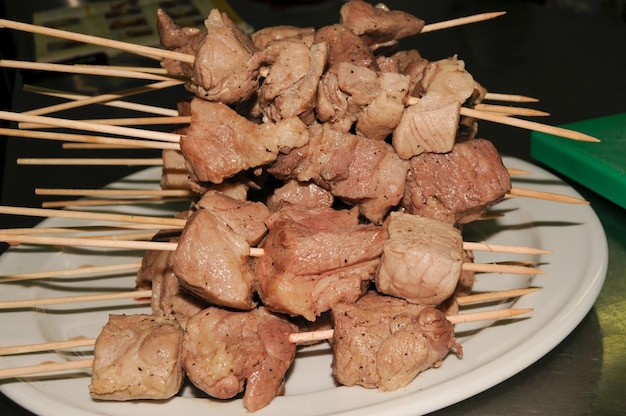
(492, 353)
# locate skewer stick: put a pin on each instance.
(145, 69)
(90, 162)
(95, 216)
(62, 300)
(84, 69)
(107, 202)
(80, 125)
(548, 196)
(491, 296)
(529, 125)
(48, 346)
(510, 98)
(296, 338)
(102, 98)
(498, 248)
(254, 252)
(84, 138)
(113, 192)
(515, 172)
(49, 367)
(149, 109)
(460, 21)
(154, 53)
(79, 271)
(127, 121)
(305, 337)
(513, 111)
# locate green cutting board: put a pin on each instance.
(600, 167)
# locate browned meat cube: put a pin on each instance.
(262, 37)
(211, 261)
(290, 86)
(137, 357)
(431, 124)
(384, 342)
(314, 258)
(226, 66)
(345, 46)
(377, 24)
(245, 218)
(168, 297)
(459, 186)
(220, 142)
(421, 260)
(306, 194)
(226, 352)
(360, 171)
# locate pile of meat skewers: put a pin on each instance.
(332, 177)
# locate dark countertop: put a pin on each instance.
(573, 62)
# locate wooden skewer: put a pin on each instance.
(96, 146)
(149, 109)
(254, 252)
(514, 172)
(80, 125)
(103, 98)
(88, 161)
(529, 125)
(79, 271)
(107, 202)
(460, 21)
(128, 121)
(85, 69)
(305, 337)
(146, 69)
(494, 96)
(297, 338)
(48, 346)
(147, 51)
(95, 216)
(497, 248)
(513, 111)
(49, 367)
(62, 300)
(83, 138)
(113, 192)
(491, 296)
(548, 196)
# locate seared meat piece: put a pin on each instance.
(421, 260)
(245, 218)
(361, 171)
(180, 39)
(384, 112)
(456, 187)
(290, 87)
(345, 89)
(262, 37)
(315, 258)
(431, 124)
(384, 342)
(168, 298)
(221, 143)
(411, 63)
(345, 46)
(137, 357)
(211, 261)
(305, 194)
(349, 92)
(226, 352)
(174, 175)
(378, 25)
(226, 67)
(463, 287)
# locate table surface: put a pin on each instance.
(573, 62)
